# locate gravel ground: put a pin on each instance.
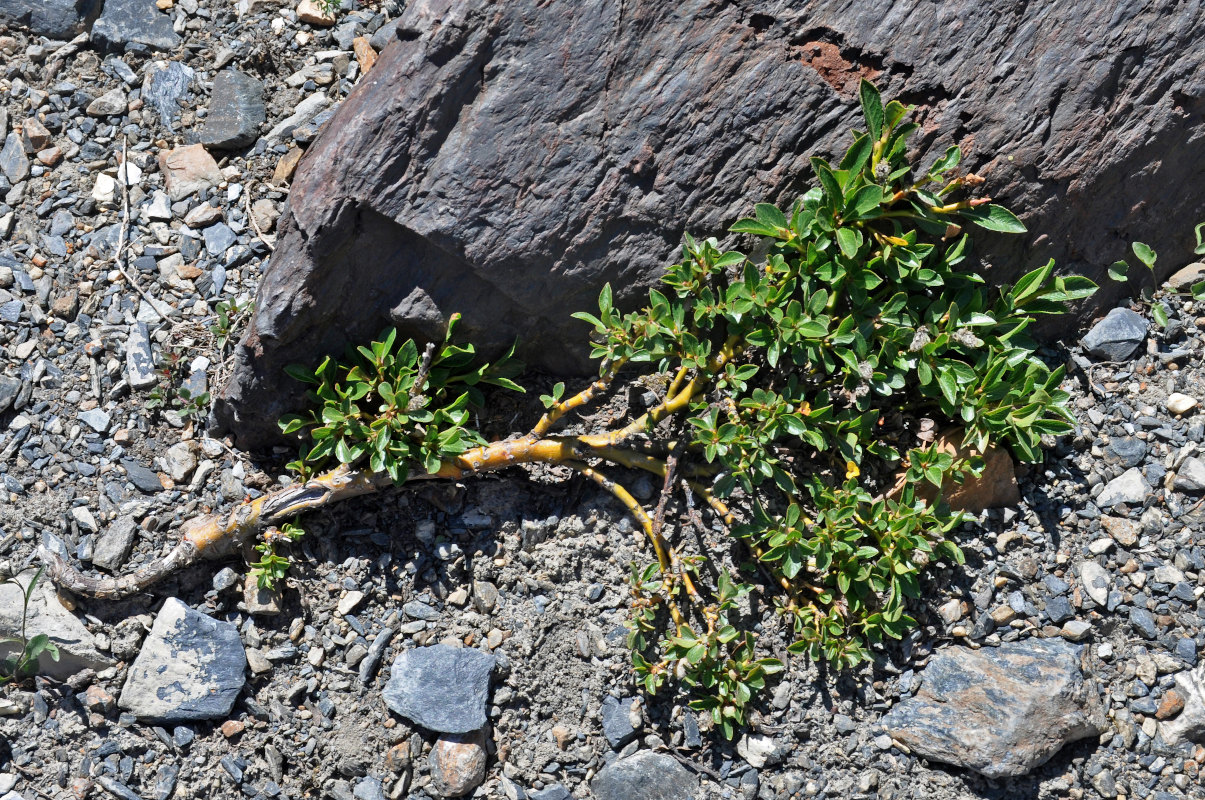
(529, 569)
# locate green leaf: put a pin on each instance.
(866, 199)
(300, 373)
(1159, 313)
(1118, 270)
(1200, 232)
(1145, 254)
(753, 227)
(1198, 290)
(770, 215)
(995, 218)
(872, 108)
(849, 240)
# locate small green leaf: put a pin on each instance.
(1145, 254)
(872, 108)
(1117, 271)
(770, 215)
(849, 240)
(1159, 313)
(995, 218)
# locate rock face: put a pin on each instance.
(190, 667)
(1000, 711)
(56, 19)
(505, 160)
(441, 688)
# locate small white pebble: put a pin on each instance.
(1178, 403)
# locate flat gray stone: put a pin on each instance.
(647, 775)
(13, 161)
(140, 361)
(9, 388)
(77, 648)
(54, 19)
(219, 238)
(1117, 336)
(1001, 711)
(111, 103)
(126, 22)
(143, 478)
(1130, 488)
(191, 667)
(165, 84)
(236, 111)
(96, 419)
(617, 721)
(442, 688)
(113, 547)
(1190, 477)
(1096, 581)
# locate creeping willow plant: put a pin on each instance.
(796, 387)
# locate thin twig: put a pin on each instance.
(424, 367)
(123, 174)
(270, 241)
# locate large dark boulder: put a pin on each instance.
(56, 19)
(505, 160)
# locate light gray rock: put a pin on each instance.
(165, 85)
(13, 161)
(180, 460)
(1096, 581)
(1190, 477)
(113, 546)
(1000, 711)
(1129, 488)
(1189, 724)
(306, 110)
(647, 775)
(442, 688)
(191, 667)
(77, 648)
(96, 419)
(1117, 336)
(111, 103)
(140, 362)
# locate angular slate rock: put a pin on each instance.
(1000, 711)
(113, 546)
(55, 19)
(236, 111)
(504, 160)
(1190, 477)
(124, 22)
(617, 721)
(143, 479)
(165, 84)
(9, 388)
(218, 239)
(13, 162)
(140, 361)
(1117, 336)
(1130, 488)
(77, 648)
(647, 775)
(442, 688)
(190, 667)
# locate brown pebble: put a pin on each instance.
(562, 735)
(397, 758)
(286, 166)
(457, 763)
(232, 728)
(1171, 705)
(364, 53)
(97, 699)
